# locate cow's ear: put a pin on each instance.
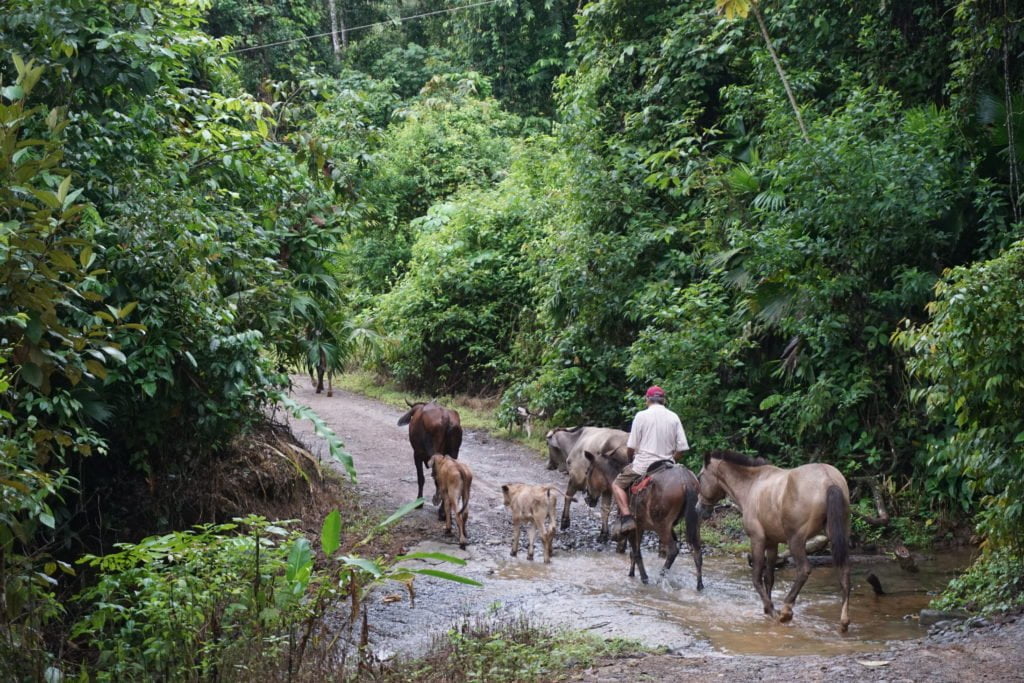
(504, 488)
(707, 458)
(588, 455)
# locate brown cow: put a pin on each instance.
(453, 479)
(432, 429)
(536, 505)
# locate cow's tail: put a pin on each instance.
(551, 488)
(552, 509)
(404, 420)
(453, 436)
(837, 514)
(467, 482)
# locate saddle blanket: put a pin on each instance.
(646, 480)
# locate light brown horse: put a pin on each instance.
(671, 495)
(783, 506)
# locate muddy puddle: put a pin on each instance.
(727, 614)
(589, 590)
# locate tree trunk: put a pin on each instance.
(337, 21)
(779, 69)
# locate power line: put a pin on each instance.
(365, 26)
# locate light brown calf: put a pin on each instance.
(453, 481)
(536, 505)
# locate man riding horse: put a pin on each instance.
(656, 434)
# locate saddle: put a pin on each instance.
(645, 481)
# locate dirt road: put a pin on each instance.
(585, 586)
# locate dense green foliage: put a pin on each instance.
(233, 601)
(156, 246)
(816, 248)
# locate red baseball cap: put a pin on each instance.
(655, 391)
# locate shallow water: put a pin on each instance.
(727, 614)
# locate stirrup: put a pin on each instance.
(625, 525)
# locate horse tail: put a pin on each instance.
(692, 518)
(837, 514)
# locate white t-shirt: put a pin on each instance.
(656, 434)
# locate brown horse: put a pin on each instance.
(783, 506)
(670, 496)
(432, 429)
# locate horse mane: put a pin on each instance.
(735, 458)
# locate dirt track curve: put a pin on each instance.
(581, 587)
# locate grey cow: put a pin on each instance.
(565, 452)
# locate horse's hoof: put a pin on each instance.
(700, 584)
(530, 558)
(843, 628)
(785, 616)
(565, 524)
(602, 537)
(462, 546)
(644, 579)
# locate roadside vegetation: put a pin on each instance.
(504, 649)
(802, 219)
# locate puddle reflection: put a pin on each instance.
(728, 612)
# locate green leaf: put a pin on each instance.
(32, 374)
(127, 309)
(431, 556)
(13, 92)
(437, 573)
(63, 261)
(115, 353)
(401, 512)
(300, 561)
(330, 533)
(364, 564)
(96, 368)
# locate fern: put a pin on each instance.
(320, 428)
